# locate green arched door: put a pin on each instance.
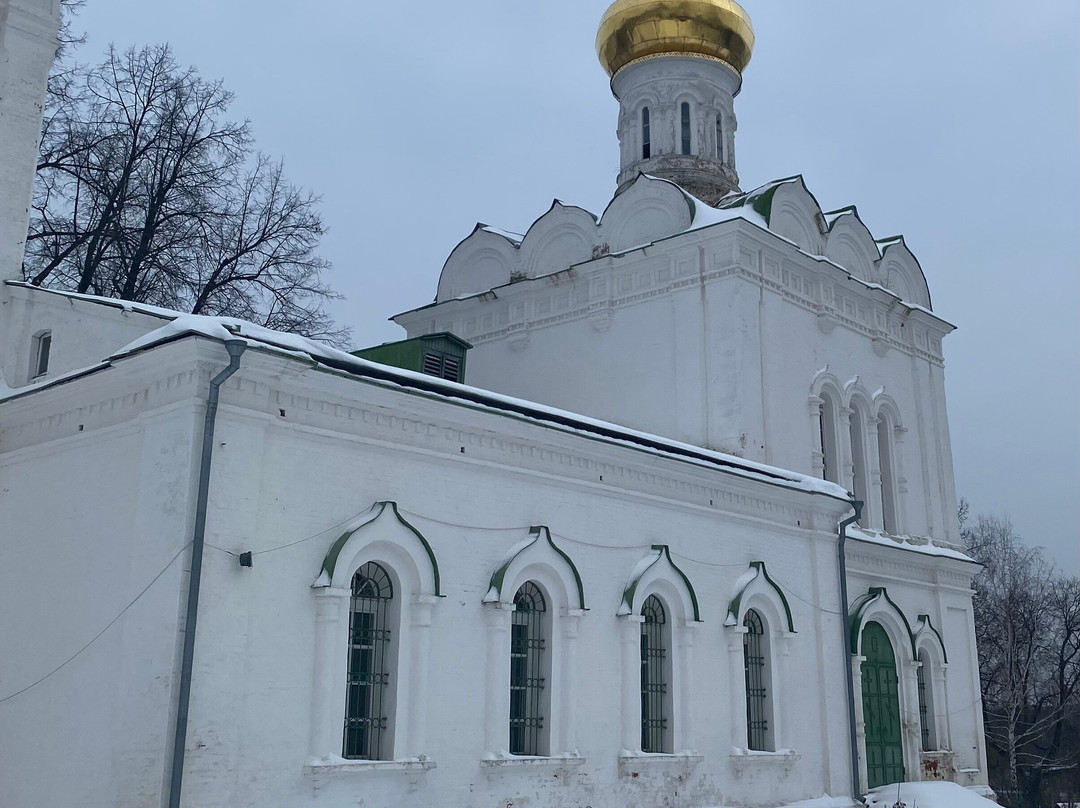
(881, 709)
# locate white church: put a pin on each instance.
(648, 508)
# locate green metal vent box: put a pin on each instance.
(441, 355)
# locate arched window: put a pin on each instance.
(655, 662)
(926, 703)
(527, 671)
(888, 475)
(39, 354)
(685, 117)
(719, 137)
(646, 143)
(857, 431)
(830, 447)
(367, 699)
(755, 664)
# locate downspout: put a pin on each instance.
(235, 347)
(853, 739)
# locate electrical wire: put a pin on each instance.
(96, 636)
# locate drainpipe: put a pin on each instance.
(853, 739)
(235, 347)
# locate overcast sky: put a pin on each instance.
(954, 123)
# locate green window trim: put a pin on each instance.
(379, 509)
(498, 577)
(661, 551)
(734, 616)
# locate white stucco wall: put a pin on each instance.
(720, 333)
(297, 453)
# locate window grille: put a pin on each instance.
(646, 144)
(757, 726)
(826, 459)
(526, 671)
(924, 724)
(720, 138)
(653, 676)
(368, 678)
(42, 346)
(685, 114)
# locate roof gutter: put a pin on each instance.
(235, 347)
(845, 618)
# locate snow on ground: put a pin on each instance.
(927, 795)
(822, 802)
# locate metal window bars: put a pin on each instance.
(653, 676)
(924, 724)
(368, 678)
(526, 671)
(757, 725)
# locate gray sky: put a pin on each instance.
(954, 123)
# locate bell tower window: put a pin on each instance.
(719, 138)
(685, 116)
(646, 145)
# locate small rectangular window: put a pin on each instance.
(685, 114)
(42, 346)
(646, 144)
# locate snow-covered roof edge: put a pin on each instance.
(320, 354)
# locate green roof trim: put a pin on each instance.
(923, 624)
(661, 551)
(858, 612)
(498, 577)
(763, 573)
(761, 199)
(330, 561)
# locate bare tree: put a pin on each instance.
(146, 191)
(1027, 618)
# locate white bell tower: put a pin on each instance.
(676, 67)
(28, 43)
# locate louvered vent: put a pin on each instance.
(432, 364)
(451, 368)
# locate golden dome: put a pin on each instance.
(633, 29)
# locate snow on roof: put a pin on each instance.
(510, 236)
(298, 347)
(906, 543)
(930, 794)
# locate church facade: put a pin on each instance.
(687, 537)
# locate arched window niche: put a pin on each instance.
(534, 602)
(860, 466)
(655, 682)
(657, 614)
(530, 670)
(933, 692)
(719, 137)
(825, 411)
(374, 599)
(889, 429)
(761, 624)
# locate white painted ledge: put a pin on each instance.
(630, 763)
(342, 766)
(780, 760)
(494, 763)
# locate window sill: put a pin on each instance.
(630, 763)
(515, 761)
(784, 759)
(337, 765)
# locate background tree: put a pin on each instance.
(1027, 624)
(147, 191)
